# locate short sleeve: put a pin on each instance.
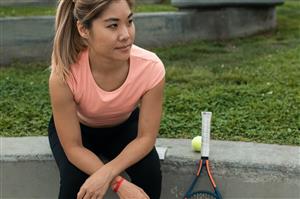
(70, 80)
(156, 74)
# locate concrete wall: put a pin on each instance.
(213, 3)
(28, 2)
(51, 2)
(149, 1)
(241, 170)
(26, 38)
(29, 38)
(211, 23)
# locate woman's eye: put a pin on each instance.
(113, 26)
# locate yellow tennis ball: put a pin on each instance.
(196, 143)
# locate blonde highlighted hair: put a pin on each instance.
(67, 41)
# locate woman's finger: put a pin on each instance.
(81, 193)
(97, 195)
(88, 195)
(94, 197)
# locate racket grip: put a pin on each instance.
(206, 122)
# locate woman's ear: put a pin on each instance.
(83, 31)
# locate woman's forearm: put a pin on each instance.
(84, 159)
(131, 154)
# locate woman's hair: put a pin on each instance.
(67, 41)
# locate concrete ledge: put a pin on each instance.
(30, 38)
(213, 3)
(242, 170)
(148, 1)
(53, 2)
(28, 2)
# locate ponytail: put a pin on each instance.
(67, 41)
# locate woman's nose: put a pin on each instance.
(124, 33)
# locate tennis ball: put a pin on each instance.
(196, 143)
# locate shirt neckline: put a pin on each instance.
(95, 83)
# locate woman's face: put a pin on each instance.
(112, 34)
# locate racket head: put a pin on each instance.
(204, 169)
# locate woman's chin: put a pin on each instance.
(122, 55)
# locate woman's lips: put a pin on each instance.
(124, 48)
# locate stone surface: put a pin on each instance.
(28, 2)
(54, 2)
(30, 39)
(148, 1)
(241, 169)
(208, 3)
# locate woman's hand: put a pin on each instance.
(128, 190)
(96, 185)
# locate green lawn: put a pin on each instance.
(251, 85)
(50, 10)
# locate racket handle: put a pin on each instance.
(206, 122)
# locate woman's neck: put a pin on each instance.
(104, 65)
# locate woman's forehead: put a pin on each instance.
(116, 10)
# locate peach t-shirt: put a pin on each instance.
(97, 107)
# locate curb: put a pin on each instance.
(259, 170)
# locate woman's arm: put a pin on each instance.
(68, 128)
(149, 123)
(69, 133)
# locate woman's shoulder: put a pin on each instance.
(142, 54)
(148, 67)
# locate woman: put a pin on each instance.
(106, 96)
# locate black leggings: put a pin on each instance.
(106, 143)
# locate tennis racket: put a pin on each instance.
(204, 169)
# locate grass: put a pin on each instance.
(251, 85)
(50, 10)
